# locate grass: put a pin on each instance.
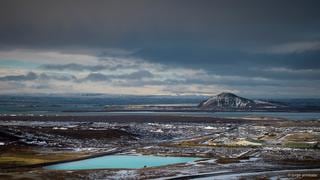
(300, 140)
(20, 161)
(256, 140)
(227, 160)
(300, 145)
(27, 156)
(230, 160)
(303, 137)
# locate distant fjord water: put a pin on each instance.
(78, 105)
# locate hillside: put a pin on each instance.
(229, 101)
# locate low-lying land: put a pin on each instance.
(228, 147)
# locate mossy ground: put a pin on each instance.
(23, 155)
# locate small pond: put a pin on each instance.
(121, 162)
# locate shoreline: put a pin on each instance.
(140, 119)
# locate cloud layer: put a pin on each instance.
(269, 48)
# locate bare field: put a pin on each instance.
(225, 145)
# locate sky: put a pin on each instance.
(254, 48)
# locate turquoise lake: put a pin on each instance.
(120, 162)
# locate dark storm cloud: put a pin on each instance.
(231, 61)
(71, 66)
(274, 40)
(60, 77)
(96, 77)
(77, 67)
(27, 77)
(138, 75)
(31, 76)
(172, 82)
(168, 22)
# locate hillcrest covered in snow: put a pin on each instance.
(229, 101)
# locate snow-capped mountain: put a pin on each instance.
(229, 101)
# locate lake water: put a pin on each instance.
(120, 162)
(93, 105)
(284, 115)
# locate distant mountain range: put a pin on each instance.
(229, 101)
